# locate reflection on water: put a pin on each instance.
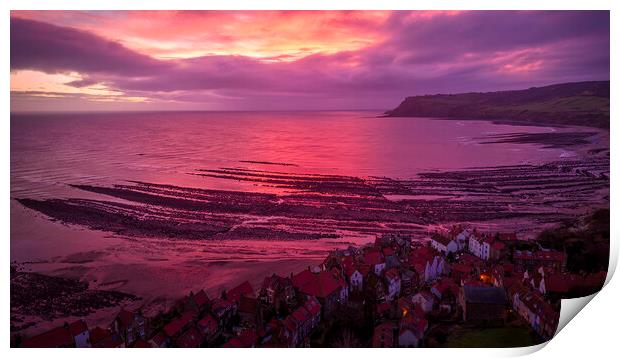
(50, 151)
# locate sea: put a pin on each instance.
(51, 151)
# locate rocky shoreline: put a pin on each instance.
(37, 297)
(310, 206)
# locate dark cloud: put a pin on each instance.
(40, 46)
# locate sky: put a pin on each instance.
(292, 60)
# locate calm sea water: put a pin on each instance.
(50, 151)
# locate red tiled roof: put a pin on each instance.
(302, 278)
(350, 270)
(290, 324)
(383, 307)
(414, 322)
(244, 289)
(444, 240)
(422, 254)
(320, 284)
(208, 322)
(192, 338)
(159, 338)
(347, 261)
(445, 284)
(221, 303)
(125, 318)
(460, 267)
(140, 343)
(392, 274)
(174, 327)
(247, 304)
(57, 337)
(201, 298)
(313, 306)
(373, 258)
(97, 334)
(78, 327)
(364, 269)
(104, 338)
(539, 255)
(498, 245)
(301, 315)
(388, 251)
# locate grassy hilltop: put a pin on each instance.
(579, 103)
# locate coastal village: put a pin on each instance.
(394, 292)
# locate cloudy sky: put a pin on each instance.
(263, 60)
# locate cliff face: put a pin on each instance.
(580, 103)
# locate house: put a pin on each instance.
(376, 260)
(502, 275)
(383, 335)
(408, 281)
(404, 306)
(433, 270)
(299, 324)
(446, 292)
(191, 338)
(196, 302)
(243, 289)
(246, 339)
(355, 278)
(480, 245)
(313, 306)
(462, 238)
(498, 250)
(81, 335)
(249, 312)
(277, 292)
(392, 280)
(460, 271)
(175, 327)
(444, 244)
(129, 326)
(209, 328)
(374, 288)
(223, 310)
(483, 305)
(412, 329)
(159, 340)
(530, 261)
(383, 310)
(444, 287)
(425, 300)
(329, 287)
(476, 263)
(391, 258)
(532, 307)
(56, 338)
